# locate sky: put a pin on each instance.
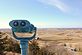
(42, 13)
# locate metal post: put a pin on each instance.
(24, 46)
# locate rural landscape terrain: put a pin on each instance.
(48, 41)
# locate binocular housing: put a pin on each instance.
(22, 26)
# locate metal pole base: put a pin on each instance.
(24, 46)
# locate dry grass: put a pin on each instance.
(72, 38)
(61, 41)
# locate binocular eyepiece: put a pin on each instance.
(22, 26)
(20, 23)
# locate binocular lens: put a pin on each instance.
(22, 23)
(15, 23)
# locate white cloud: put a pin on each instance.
(57, 3)
(40, 24)
(4, 24)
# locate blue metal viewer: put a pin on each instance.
(23, 26)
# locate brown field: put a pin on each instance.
(53, 39)
(72, 38)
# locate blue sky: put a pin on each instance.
(42, 13)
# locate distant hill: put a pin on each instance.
(9, 30)
(6, 30)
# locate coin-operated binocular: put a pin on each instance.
(23, 27)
